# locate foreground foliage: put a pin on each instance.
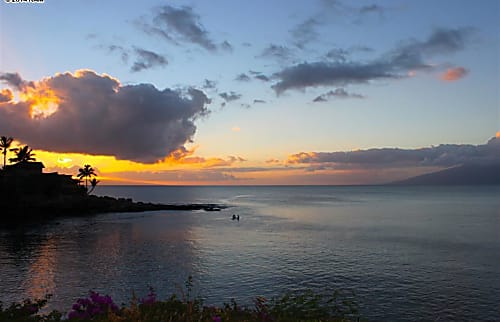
(304, 306)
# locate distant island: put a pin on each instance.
(468, 174)
(29, 195)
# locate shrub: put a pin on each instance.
(293, 306)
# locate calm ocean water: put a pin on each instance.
(407, 253)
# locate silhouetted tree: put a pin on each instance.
(93, 184)
(5, 143)
(86, 173)
(24, 154)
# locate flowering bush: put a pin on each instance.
(303, 306)
(89, 308)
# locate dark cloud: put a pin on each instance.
(179, 25)
(209, 84)
(6, 95)
(395, 64)
(263, 78)
(15, 80)
(144, 59)
(305, 32)
(323, 73)
(243, 77)
(256, 101)
(231, 96)
(410, 55)
(337, 93)
(245, 105)
(98, 115)
(259, 76)
(445, 155)
(147, 59)
(278, 52)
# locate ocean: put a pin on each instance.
(404, 253)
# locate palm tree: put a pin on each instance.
(86, 172)
(93, 184)
(5, 143)
(24, 154)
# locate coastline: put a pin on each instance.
(32, 210)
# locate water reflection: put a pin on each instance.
(112, 254)
(40, 278)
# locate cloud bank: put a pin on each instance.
(445, 155)
(84, 112)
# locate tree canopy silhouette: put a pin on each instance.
(5, 143)
(93, 184)
(24, 154)
(86, 173)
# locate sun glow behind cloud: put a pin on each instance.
(42, 100)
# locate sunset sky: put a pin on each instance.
(252, 92)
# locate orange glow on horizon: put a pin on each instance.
(497, 135)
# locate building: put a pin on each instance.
(28, 179)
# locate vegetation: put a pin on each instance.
(93, 184)
(86, 173)
(24, 154)
(5, 143)
(305, 306)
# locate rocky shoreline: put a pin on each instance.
(34, 210)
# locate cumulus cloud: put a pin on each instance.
(453, 74)
(394, 64)
(445, 155)
(84, 112)
(337, 93)
(182, 25)
(229, 97)
(6, 95)
(147, 59)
